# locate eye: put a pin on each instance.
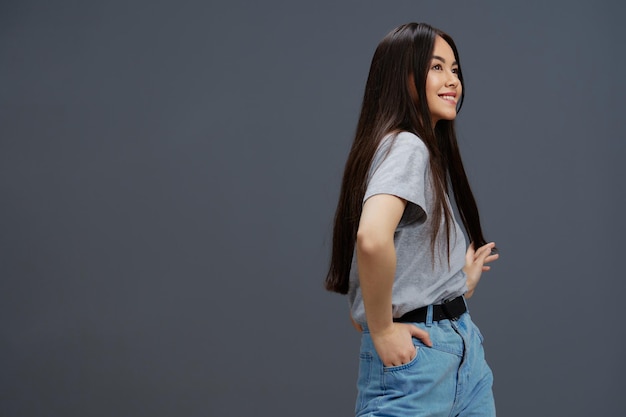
(456, 70)
(437, 67)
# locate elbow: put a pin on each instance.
(368, 242)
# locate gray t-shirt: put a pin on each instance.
(400, 167)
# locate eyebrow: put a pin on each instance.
(443, 60)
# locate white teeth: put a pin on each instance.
(449, 98)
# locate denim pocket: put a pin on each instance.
(400, 380)
(404, 365)
(363, 380)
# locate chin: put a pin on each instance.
(448, 118)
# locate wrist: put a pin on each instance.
(380, 328)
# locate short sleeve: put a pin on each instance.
(399, 168)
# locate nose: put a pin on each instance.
(453, 79)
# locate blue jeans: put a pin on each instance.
(449, 379)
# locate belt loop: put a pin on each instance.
(429, 315)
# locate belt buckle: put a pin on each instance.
(444, 306)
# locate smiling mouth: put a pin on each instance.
(451, 99)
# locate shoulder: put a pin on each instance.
(403, 144)
(400, 153)
(411, 140)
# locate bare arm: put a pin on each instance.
(376, 261)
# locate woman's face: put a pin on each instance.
(443, 87)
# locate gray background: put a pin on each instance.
(169, 172)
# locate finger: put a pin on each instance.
(487, 247)
(491, 258)
(484, 252)
(410, 356)
(421, 335)
(471, 248)
(486, 268)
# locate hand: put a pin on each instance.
(476, 263)
(394, 344)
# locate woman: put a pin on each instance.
(398, 251)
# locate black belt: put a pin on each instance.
(450, 310)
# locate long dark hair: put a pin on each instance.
(388, 108)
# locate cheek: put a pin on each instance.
(431, 85)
